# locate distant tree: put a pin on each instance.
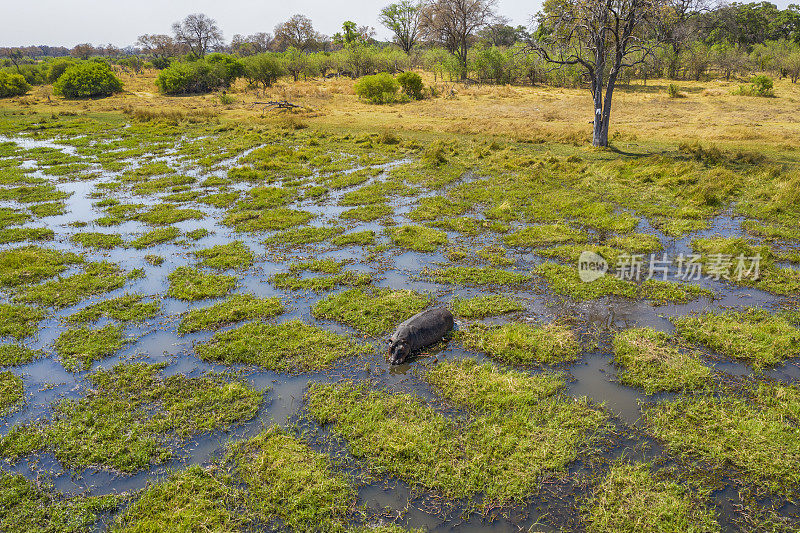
(159, 46)
(82, 51)
(454, 24)
(295, 62)
(603, 37)
(258, 43)
(199, 32)
(500, 33)
(14, 55)
(402, 19)
(678, 28)
(297, 32)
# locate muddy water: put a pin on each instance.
(157, 341)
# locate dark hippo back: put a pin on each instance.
(424, 328)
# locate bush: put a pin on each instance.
(674, 91)
(379, 89)
(760, 85)
(85, 80)
(57, 68)
(201, 76)
(263, 69)
(13, 85)
(411, 82)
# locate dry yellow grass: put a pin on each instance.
(643, 114)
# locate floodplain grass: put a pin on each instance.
(235, 308)
(155, 237)
(31, 264)
(29, 506)
(97, 240)
(291, 346)
(633, 499)
(475, 276)
(127, 308)
(288, 481)
(753, 335)
(358, 238)
(373, 312)
(254, 221)
(16, 355)
(132, 417)
(190, 284)
(19, 321)
(96, 278)
(10, 235)
(484, 306)
(11, 392)
(234, 255)
(543, 234)
(488, 451)
(523, 344)
(305, 235)
(80, 347)
(190, 500)
(653, 361)
(417, 238)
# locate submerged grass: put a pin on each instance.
(417, 238)
(654, 361)
(31, 264)
(236, 308)
(15, 355)
(632, 499)
(98, 241)
(753, 335)
(523, 344)
(462, 275)
(19, 321)
(485, 305)
(226, 256)
(287, 347)
(373, 311)
(187, 283)
(127, 308)
(79, 348)
(11, 392)
(97, 278)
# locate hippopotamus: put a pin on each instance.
(422, 329)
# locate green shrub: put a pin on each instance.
(379, 89)
(12, 85)
(760, 85)
(201, 76)
(674, 91)
(411, 82)
(57, 68)
(263, 69)
(85, 80)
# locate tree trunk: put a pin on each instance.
(597, 134)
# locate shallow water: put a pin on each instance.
(157, 341)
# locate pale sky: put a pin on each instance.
(69, 22)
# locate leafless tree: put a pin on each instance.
(199, 32)
(402, 19)
(601, 36)
(159, 46)
(297, 32)
(454, 24)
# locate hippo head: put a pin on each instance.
(398, 351)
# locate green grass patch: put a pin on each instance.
(97, 278)
(10, 235)
(305, 235)
(166, 214)
(287, 347)
(131, 417)
(187, 283)
(485, 305)
(127, 308)
(236, 308)
(48, 209)
(79, 348)
(433, 207)
(15, 355)
(11, 392)
(290, 482)
(358, 238)
(523, 344)
(98, 241)
(31, 264)
(544, 234)
(752, 335)
(226, 256)
(631, 499)
(462, 275)
(29, 507)
(190, 500)
(417, 238)
(373, 311)
(157, 236)
(640, 243)
(653, 361)
(253, 221)
(19, 321)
